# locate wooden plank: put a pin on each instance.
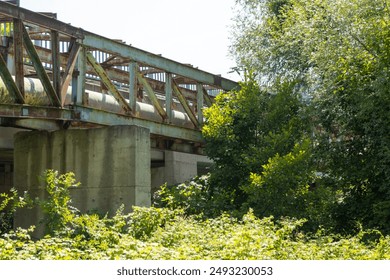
(152, 96)
(107, 82)
(185, 105)
(40, 70)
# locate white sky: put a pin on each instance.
(188, 31)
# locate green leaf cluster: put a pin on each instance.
(162, 233)
(337, 54)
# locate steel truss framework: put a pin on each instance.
(66, 59)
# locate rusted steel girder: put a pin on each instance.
(107, 82)
(9, 82)
(41, 72)
(152, 96)
(185, 105)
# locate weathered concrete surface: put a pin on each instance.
(178, 168)
(112, 164)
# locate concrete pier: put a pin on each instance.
(112, 164)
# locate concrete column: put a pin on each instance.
(180, 167)
(112, 164)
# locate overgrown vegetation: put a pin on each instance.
(307, 135)
(301, 153)
(163, 233)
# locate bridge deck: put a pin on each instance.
(56, 76)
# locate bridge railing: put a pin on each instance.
(88, 77)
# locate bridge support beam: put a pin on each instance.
(112, 164)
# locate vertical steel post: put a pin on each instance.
(133, 88)
(18, 55)
(81, 98)
(168, 96)
(199, 99)
(68, 74)
(56, 64)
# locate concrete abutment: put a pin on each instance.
(112, 164)
(115, 165)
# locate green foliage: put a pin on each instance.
(162, 233)
(174, 236)
(195, 197)
(260, 144)
(57, 208)
(282, 187)
(338, 50)
(9, 203)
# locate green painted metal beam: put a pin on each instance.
(69, 71)
(133, 85)
(40, 19)
(107, 82)
(41, 72)
(96, 41)
(9, 82)
(90, 115)
(168, 96)
(207, 98)
(36, 112)
(80, 97)
(102, 43)
(55, 58)
(185, 105)
(200, 100)
(152, 96)
(18, 54)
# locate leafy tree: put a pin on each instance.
(339, 51)
(247, 132)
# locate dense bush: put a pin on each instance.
(336, 52)
(162, 233)
(196, 197)
(151, 233)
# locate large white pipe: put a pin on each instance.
(105, 102)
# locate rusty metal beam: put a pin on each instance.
(207, 98)
(185, 105)
(90, 115)
(28, 111)
(133, 85)
(168, 96)
(200, 100)
(9, 82)
(117, 74)
(41, 72)
(107, 82)
(152, 96)
(18, 55)
(56, 63)
(69, 71)
(159, 62)
(127, 52)
(40, 19)
(79, 96)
